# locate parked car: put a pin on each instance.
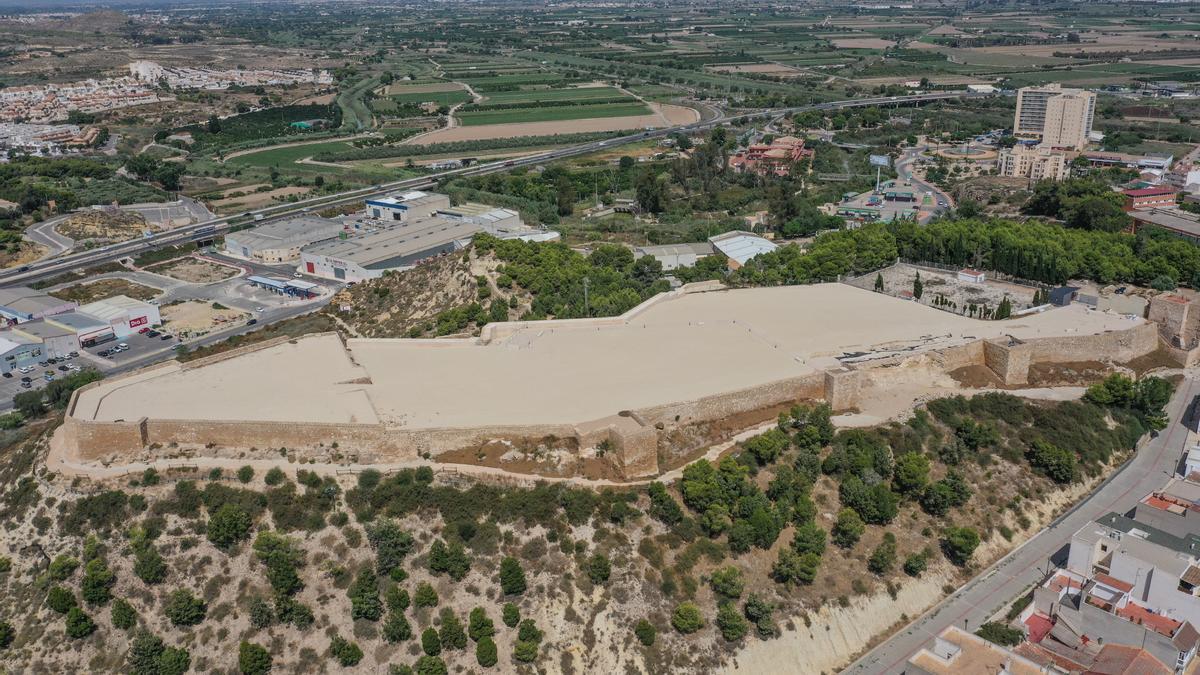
(143, 330)
(49, 376)
(43, 364)
(152, 334)
(103, 353)
(122, 346)
(26, 369)
(73, 355)
(26, 385)
(8, 373)
(64, 368)
(26, 379)
(166, 336)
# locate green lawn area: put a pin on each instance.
(569, 94)
(284, 155)
(579, 112)
(438, 97)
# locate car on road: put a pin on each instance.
(8, 373)
(166, 336)
(260, 309)
(297, 275)
(251, 322)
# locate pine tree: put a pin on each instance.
(918, 287)
(879, 283)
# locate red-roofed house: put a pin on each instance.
(1150, 198)
(774, 159)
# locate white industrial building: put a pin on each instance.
(674, 256)
(125, 315)
(367, 256)
(281, 241)
(407, 207)
(19, 304)
(740, 246)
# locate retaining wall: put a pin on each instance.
(633, 436)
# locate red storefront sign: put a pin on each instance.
(140, 321)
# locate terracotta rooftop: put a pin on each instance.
(1144, 617)
(1114, 582)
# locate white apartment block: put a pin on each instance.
(1058, 117)
(1040, 162)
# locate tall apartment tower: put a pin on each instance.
(1059, 118)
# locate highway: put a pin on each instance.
(997, 585)
(216, 226)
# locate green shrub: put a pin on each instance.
(732, 625)
(60, 599)
(253, 659)
(1001, 634)
(97, 583)
(687, 618)
(274, 476)
(184, 609)
(645, 632)
(512, 577)
(346, 652)
(848, 529)
(431, 642)
(262, 615)
(79, 625)
(229, 525)
(7, 635)
(425, 596)
(61, 568)
(485, 652)
(511, 615)
(396, 627)
(883, 558)
(598, 568)
(525, 652)
(391, 544)
(430, 665)
(452, 634)
(124, 616)
(364, 597)
(728, 582)
(148, 564)
(479, 625)
(245, 474)
(959, 544)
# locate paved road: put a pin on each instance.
(44, 233)
(904, 169)
(1012, 575)
(209, 229)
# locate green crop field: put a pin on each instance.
(570, 94)
(288, 154)
(580, 112)
(438, 97)
(507, 81)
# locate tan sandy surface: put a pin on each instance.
(286, 383)
(258, 199)
(197, 318)
(863, 43)
(770, 68)
(666, 115)
(195, 270)
(681, 349)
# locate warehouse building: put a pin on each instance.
(123, 314)
(56, 340)
(281, 241)
(740, 246)
(407, 207)
(19, 304)
(493, 218)
(89, 331)
(18, 352)
(368, 256)
(674, 256)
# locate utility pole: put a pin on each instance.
(586, 307)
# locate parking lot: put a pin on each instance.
(11, 386)
(139, 347)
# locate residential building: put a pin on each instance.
(19, 304)
(281, 241)
(972, 276)
(1035, 162)
(1150, 198)
(123, 314)
(1057, 117)
(740, 246)
(775, 158)
(954, 651)
(407, 207)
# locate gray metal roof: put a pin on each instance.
(698, 249)
(293, 232)
(28, 300)
(396, 242)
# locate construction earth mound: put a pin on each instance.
(698, 355)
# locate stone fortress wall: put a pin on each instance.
(632, 436)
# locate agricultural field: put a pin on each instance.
(484, 116)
